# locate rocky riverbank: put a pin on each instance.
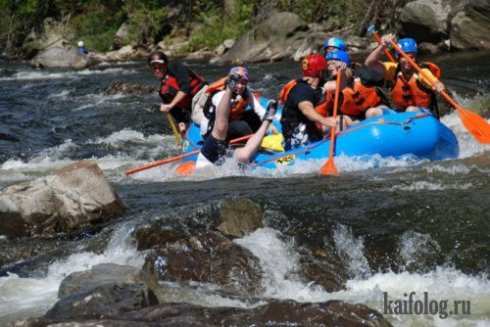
(441, 25)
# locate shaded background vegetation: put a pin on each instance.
(205, 23)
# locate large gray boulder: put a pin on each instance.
(273, 39)
(53, 33)
(72, 198)
(61, 57)
(426, 20)
(470, 26)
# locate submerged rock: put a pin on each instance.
(72, 198)
(240, 217)
(120, 87)
(204, 258)
(101, 301)
(102, 274)
(273, 313)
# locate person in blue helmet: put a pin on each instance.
(361, 96)
(409, 90)
(332, 44)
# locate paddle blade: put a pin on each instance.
(186, 169)
(475, 124)
(329, 168)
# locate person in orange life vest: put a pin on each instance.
(246, 112)
(178, 86)
(409, 91)
(300, 97)
(360, 97)
(214, 149)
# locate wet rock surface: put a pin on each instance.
(101, 301)
(121, 87)
(332, 313)
(70, 199)
(99, 275)
(206, 258)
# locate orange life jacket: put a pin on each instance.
(412, 93)
(355, 100)
(284, 93)
(359, 98)
(170, 86)
(237, 108)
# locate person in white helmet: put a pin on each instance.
(81, 48)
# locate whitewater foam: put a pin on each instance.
(33, 296)
(429, 186)
(46, 75)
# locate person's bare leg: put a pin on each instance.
(253, 144)
(220, 128)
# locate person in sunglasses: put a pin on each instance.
(409, 91)
(179, 86)
(215, 148)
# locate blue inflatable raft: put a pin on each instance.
(391, 135)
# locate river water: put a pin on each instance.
(404, 225)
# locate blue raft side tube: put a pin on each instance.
(391, 135)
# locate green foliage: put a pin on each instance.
(216, 27)
(97, 26)
(209, 22)
(145, 21)
(336, 12)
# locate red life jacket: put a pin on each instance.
(170, 86)
(412, 93)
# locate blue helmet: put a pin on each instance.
(408, 45)
(335, 42)
(338, 55)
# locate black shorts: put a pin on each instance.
(180, 115)
(214, 150)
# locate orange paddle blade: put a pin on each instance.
(475, 124)
(186, 169)
(329, 168)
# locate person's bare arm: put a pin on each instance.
(169, 106)
(373, 61)
(309, 111)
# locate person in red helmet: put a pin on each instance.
(299, 118)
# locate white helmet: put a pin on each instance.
(80, 44)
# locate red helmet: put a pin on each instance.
(313, 65)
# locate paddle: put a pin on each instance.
(474, 123)
(177, 158)
(329, 167)
(371, 30)
(173, 126)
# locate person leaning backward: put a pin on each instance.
(179, 85)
